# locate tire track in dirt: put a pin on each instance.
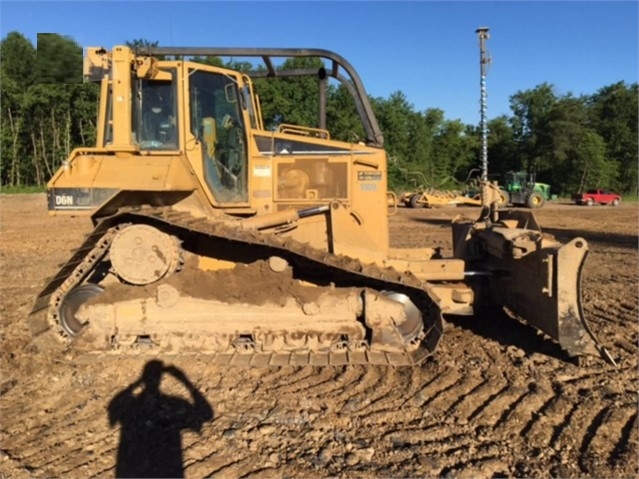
(482, 406)
(473, 402)
(615, 324)
(284, 420)
(623, 451)
(60, 431)
(371, 383)
(384, 401)
(316, 382)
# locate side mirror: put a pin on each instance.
(230, 92)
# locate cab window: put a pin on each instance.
(155, 121)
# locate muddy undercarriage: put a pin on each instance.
(158, 280)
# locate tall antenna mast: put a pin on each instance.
(484, 62)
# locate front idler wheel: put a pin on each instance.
(72, 302)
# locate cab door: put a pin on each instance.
(216, 121)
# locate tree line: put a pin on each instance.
(571, 142)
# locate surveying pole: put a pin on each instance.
(484, 62)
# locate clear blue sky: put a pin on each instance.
(426, 49)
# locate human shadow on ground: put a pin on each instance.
(151, 423)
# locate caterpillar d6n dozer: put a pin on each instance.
(213, 234)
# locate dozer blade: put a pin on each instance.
(545, 290)
(534, 278)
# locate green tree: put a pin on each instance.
(613, 112)
(46, 110)
(12, 132)
(571, 148)
(341, 115)
(570, 142)
(290, 100)
(141, 44)
(554, 138)
(395, 116)
(59, 60)
(502, 147)
(598, 170)
(17, 73)
(454, 153)
(530, 109)
(18, 59)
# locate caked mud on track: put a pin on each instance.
(290, 305)
(497, 398)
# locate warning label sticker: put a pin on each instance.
(369, 176)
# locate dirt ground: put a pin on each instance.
(496, 400)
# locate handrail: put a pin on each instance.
(303, 130)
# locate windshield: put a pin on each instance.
(154, 114)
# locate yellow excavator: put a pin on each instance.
(213, 234)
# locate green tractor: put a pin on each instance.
(521, 189)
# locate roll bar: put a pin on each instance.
(351, 82)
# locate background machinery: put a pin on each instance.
(521, 189)
(213, 234)
(425, 196)
(434, 198)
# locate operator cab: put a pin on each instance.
(214, 117)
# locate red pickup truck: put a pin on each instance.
(592, 197)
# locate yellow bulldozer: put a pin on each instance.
(215, 235)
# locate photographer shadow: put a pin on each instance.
(151, 423)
